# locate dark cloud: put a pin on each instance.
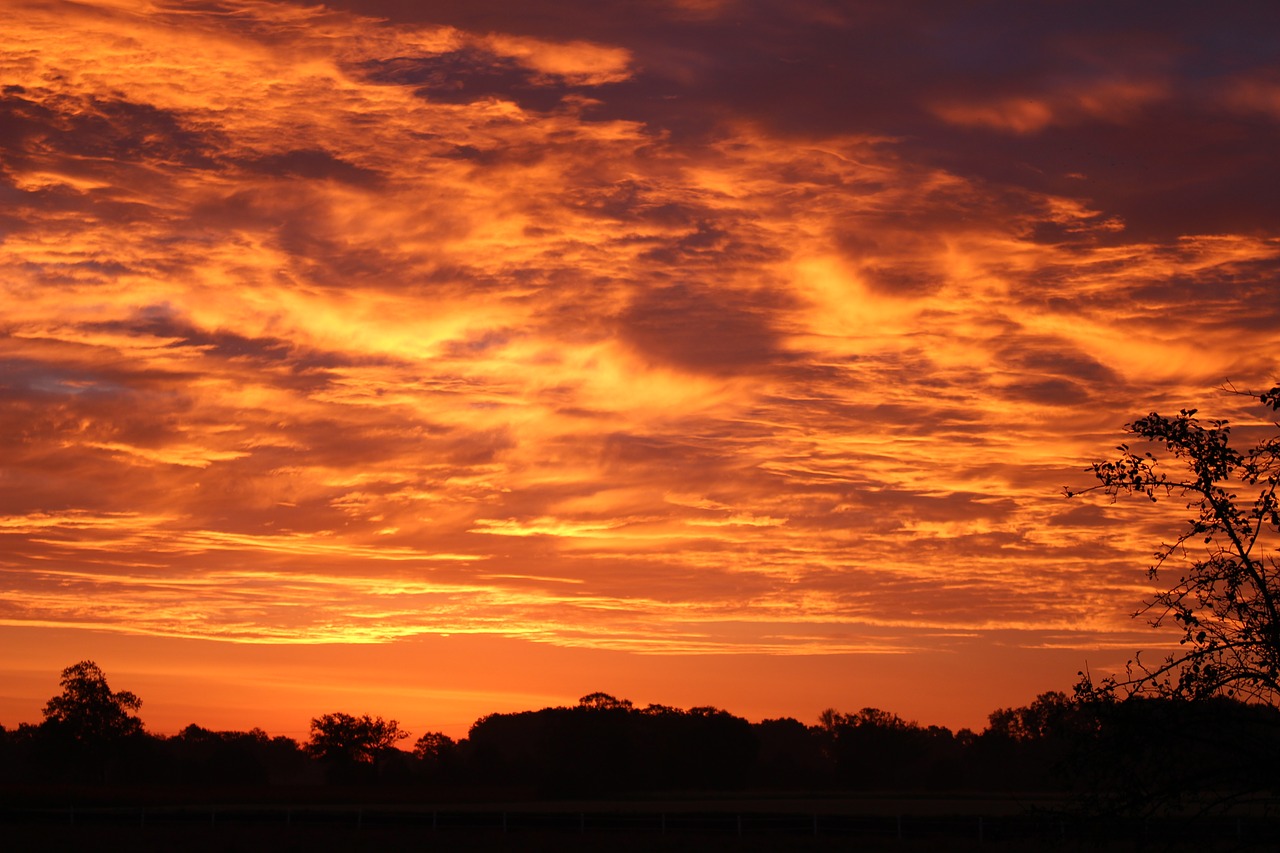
(506, 155)
(77, 131)
(467, 75)
(1181, 169)
(1052, 357)
(694, 328)
(1046, 392)
(314, 164)
(639, 201)
(286, 362)
(707, 245)
(21, 377)
(1170, 164)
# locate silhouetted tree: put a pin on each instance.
(878, 749)
(433, 746)
(87, 711)
(1043, 745)
(350, 747)
(356, 740)
(1151, 754)
(604, 702)
(702, 748)
(88, 733)
(202, 756)
(1226, 599)
(790, 755)
(1053, 714)
(438, 757)
(606, 745)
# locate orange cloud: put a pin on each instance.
(323, 328)
(1104, 100)
(578, 62)
(1254, 94)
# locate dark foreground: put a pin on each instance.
(855, 823)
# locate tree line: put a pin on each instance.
(605, 746)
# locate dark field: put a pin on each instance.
(854, 823)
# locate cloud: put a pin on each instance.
(688, 328)
(577, 62)
(1253, 93)
(1103, 100)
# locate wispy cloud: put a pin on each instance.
(707, 334)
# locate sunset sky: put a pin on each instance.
(428, 359)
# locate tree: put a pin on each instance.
(434, 746)
(1226, 599)
(348, 739)
(87, 710)
(1051, 715)
(874, 748)
(604, 702)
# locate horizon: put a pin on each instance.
(302, 735)
(409, 359)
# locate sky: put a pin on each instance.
(432, 359)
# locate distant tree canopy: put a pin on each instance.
(1141, 751)
(1052, 714)
(604, 702)
(357, 740)
(1226, 596)
(904, 754)
(605, 743)
(88, 711)
(199, 755)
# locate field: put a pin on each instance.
(862, 822)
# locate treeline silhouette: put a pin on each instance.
(1138, 751)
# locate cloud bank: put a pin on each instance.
(694, 328)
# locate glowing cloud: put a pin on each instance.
(336, 328)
